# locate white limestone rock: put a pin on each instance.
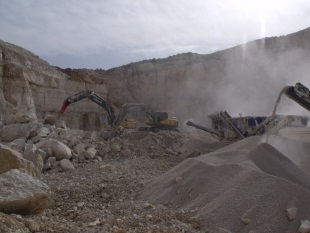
(92, 152)
(60, 124)
(79, 148)
(22, 194)
(50, 120)
(15, 131)
(43, 132)
(305, 226)
(32, 155)
(66, 165)
(291, 213)
(55, 148)
(12, 159)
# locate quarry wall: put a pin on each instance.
(30, 86)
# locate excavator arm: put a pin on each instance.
(93, 97)
(300, 94)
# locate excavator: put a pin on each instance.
(156, 120)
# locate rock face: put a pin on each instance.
(30, 88)
(22, 194)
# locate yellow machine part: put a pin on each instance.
(172, 121)
(128, 123)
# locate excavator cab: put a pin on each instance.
(129, 123)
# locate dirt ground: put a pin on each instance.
(102, 195)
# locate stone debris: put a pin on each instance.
(291, 213)
(245, 219)
(304, 226)
(79, 148)
(43, 132)
(32, 154)
(60, 124)
(50, 120)
(66, 165)
(94, 223)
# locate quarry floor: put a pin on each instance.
(103, 196)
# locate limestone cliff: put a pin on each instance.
(29, 86)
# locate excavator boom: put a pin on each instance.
(93, 97)
(300, 94)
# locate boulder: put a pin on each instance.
(55, 148)
(43, 132)
(79, 148)
(115, 148)
(92, 152)
(15, 131)
(11, 159)
(18, 116)
(304, 226)
(18, 144)
(22, 117)
(291, 213)
(60, 124)
(66, 165)
(31, 153)
(22, 193)
(50, 120)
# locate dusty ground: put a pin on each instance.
(103, 196)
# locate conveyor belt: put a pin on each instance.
(290, 93)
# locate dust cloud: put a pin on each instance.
(274, 112)
(245, 80)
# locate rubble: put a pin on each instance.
(291, 213)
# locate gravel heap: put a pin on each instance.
(248, 186)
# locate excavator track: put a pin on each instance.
(290, 93)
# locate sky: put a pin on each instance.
(110, 33)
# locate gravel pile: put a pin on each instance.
(248, 186)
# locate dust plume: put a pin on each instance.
(278, 100)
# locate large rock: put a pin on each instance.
(32, 154)
(15, 131)
(56, 148)
(11, 159)
(22, 194)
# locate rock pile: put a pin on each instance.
(249, 186)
